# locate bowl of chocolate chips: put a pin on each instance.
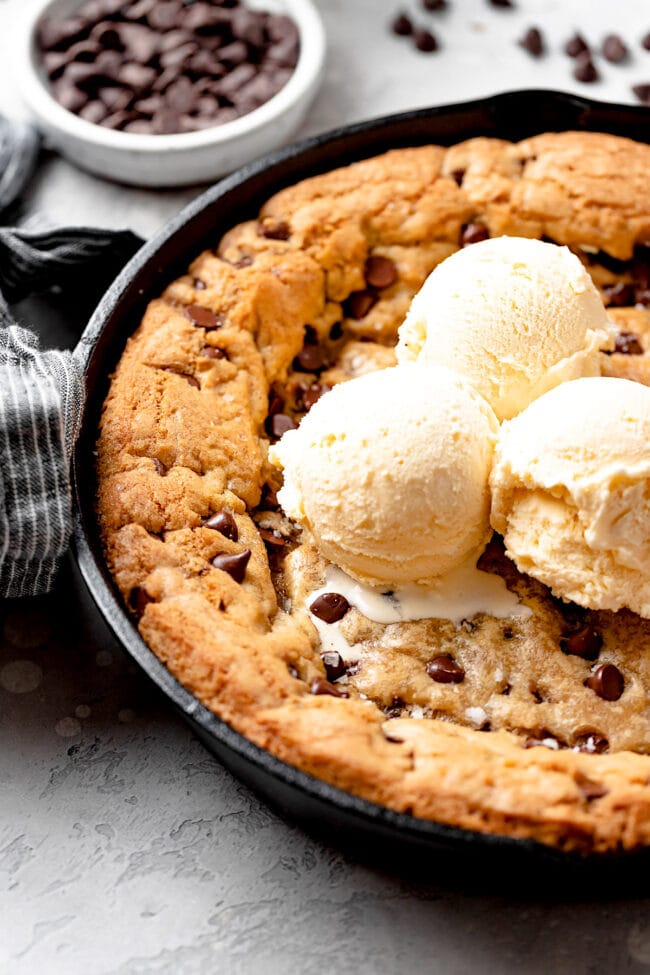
(169, 92)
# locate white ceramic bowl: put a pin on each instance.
(171, 160)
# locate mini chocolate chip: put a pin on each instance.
(160, 467)
(380, 272)
(279, 424)
(425, 41)
(359, 303)
(642, 92)
(585, 642)
(334, 664)
(203, 317)
(585, 70)
(628, 344)
(402, 25)
(576, 45)
(139, 599)
(274, 229)
(330, 607)
(592, 743)
(212, 352)
(445, 670)
(312, 394)
(607, 682)
(533, 42)
(234, 565)
(618, 295)
(225, 523)
(473, 233)
(615, 49)
(321, 686)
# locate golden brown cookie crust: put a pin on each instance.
(521, 746)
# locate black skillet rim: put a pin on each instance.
(511, 115)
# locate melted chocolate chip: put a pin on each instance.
(321, 686)
(576, 45)
(359, 303)
(278, 424)
(592, 743)
(607, 682)
(585, 642)
(330, 607)
(139, 599)
(203, 317)
(533, 42)
(585, 69)
(473, 233)
(234, 565)
(334, 664)
(380, 272)
(614, 49)
(225, 523)
(274, 229)
(628, 343)
(445, 670)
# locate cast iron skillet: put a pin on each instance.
(369, 828)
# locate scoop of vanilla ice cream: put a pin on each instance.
(390, 471)
(571, 492)
(515, 316)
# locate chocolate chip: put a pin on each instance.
(576, 45)
(321, 686)
(607, 682)
(359, 303)
(533, 42)
(380, 272)
(395, 708)
(274, 229)
(473, 233)
(336, 331)
(458, 175)
(203, 317)
(234, 565)
(645, 42)
(628, 343)
(212, 352)
(225, 523)
(334, 664)
(434, 5)
(402, 25)
(642, 92)
(309, 359)
(592, 743)
(93, 112)
(312, 394)
(161, 470)
(585, 70)
(503, 4)
(444, 670)
(425, 41)
(618, 295)
(615, 49)
(585, 642)
(279, 424)
(272, 539)
(139, 599)
(276, 403)
(330, 607)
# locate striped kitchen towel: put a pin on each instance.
(41, 392)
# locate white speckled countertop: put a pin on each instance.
(124, 846)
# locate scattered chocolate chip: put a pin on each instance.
(445, 670)
(334, 664)
(380, 272)
(212, 352)
(359, 303)
(309, 359)
(274, 229)
(278, 424)
(269, 500)
(504, 4)
(618, 295)
(203, 317)
(645, 42)
(139, 599)
(585, 70)
(592, 743)
(434, 6)
(425, 41)
(642, 92)
(402, 25)
(225, 523)
(628, 344)
(234, 565)
(312, 394)
(330, 607)
(321, 686)
(272, 539)
(615, 49)
(607, 682)
(576, 45)
(585, 642)
(533, 42)
(473, 233)
(160, 467)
